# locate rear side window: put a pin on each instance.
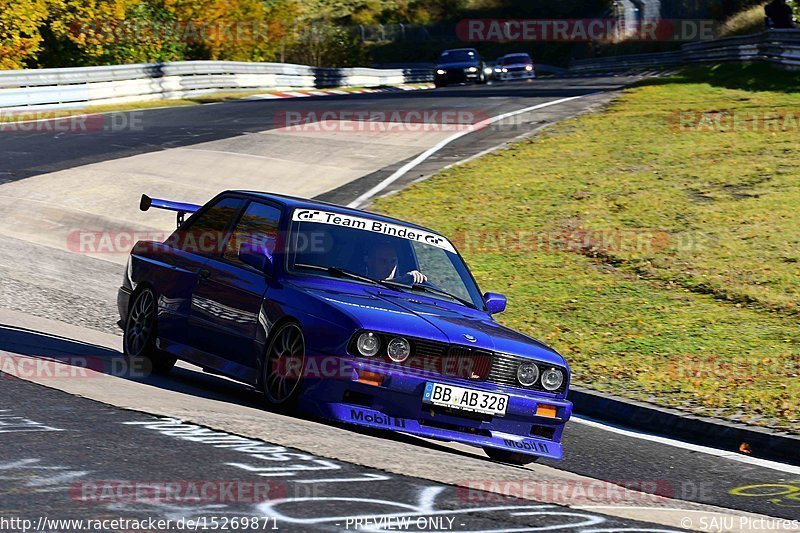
(258, 226)
(205, 233)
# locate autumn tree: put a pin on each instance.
(20, 39)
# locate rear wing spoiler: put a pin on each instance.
(179, 207)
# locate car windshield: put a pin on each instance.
(511, 60)
(395, 255)
(451, 56)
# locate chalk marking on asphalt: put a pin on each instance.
(755, 461)
(365, 477)
(224, 152)
(677, 509)
(402, 171)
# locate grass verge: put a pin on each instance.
(655, 244)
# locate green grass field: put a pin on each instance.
(656, 248)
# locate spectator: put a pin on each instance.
(779, 14)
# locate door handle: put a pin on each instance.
(203, 273)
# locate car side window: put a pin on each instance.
(204, 234)
(258, 226)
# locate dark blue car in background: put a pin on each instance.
(460, 65)
(346, 315)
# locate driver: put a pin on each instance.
(382, 264)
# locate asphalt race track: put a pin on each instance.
(62, 436)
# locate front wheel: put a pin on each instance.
(284, 364)
(139, 339)
(514, 458)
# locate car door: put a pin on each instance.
(227, 301)
(180, 260)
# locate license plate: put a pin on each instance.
(465, 399)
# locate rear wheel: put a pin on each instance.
(283, 366)
(514, 458)
(139, 339)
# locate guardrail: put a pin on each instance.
(781, 47)
(76, 87)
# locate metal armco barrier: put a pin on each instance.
(76, 87)
(781, 47)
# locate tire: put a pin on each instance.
(514, 458)
(286, 350)
(139, 337)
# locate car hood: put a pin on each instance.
(458, 64)
(417, 315)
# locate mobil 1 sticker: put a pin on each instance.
(374, 226)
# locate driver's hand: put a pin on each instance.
(417, 276)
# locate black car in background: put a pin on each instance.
(460, 65)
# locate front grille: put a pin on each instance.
(463, 362)
(467, 363)
(426, 348)
(454, 361)
(504, 372)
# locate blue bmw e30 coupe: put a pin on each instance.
(343, 314)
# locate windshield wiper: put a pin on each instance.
(339, 273)
(342, 273)
(432, 290)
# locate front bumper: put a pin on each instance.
(509, 76)
(397, 405)
(456, 76)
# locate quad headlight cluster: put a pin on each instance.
(369, 344)
(528, 374)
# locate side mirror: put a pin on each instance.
(257, 256)
(495, 303)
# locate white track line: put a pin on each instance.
(733, 456)
(402, 171)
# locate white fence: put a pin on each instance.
(75, 87)
(781, 47)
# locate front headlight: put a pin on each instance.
(505, 70)
(399, 349)
(441, 71)
(527, 374)
(368, 344)
(528, 67)
(552, 378)
(472, 69)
